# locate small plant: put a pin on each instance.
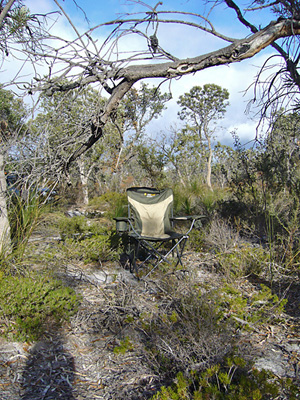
(69, 227)
(241, 261)
(24, 216)
(79, 227)
(124, 346)
(29, 304)
(209, 201)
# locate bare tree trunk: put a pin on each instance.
(83, 180)
(180, 177)
(5, 242)
(208, 174)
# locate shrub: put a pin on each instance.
(234, 379)
(79, 227)
(95, 248)
(245, 311)
(115, 204)
(29, 304)
(210, 200)
(124, 346)
(23, 216)
(242, 261)
(69, 227)
(185, 330)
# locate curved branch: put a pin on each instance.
(97, 126)
(236, 52)
(123, 78)
(5, 11)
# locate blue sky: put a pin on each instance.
(182, 42)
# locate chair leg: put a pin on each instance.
(136, 250)
(132, 254)
(152, 251)
(180, 249)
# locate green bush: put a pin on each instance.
(113, 203)
(245, 311)
(124, 346)
(69, 227)
(29, 304)
(23, 216)
(95, 248)
(79, 227)
(242, 261)
(197, 199)
(233, 380)
(210, 200)
(186, 330)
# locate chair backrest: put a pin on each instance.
(152, 209)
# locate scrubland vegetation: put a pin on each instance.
(191, 331)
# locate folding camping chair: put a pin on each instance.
(149, 227)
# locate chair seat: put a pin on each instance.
(165, 238)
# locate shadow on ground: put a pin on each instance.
(49, 372)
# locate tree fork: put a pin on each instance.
(97, 127)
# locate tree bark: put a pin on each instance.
(209, 159)
(5, 10)
(5, 241)
(84, 181)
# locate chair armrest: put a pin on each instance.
(190, 218)
(187, 218)
(122, 224)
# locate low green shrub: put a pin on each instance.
(196, 198)
(210, 199)
(79, 227)
(28, 305)
(196, 240)
(91, 249)
(68, 227)
(113, 203)
(185, 330)
(233, 380)
(243, 260)
(245, 311)
(124, 346)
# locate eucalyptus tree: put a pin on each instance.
(224, 163)
(201, 108)
(141, 106)
(182, 153)
(152, 163)
(280, 163)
